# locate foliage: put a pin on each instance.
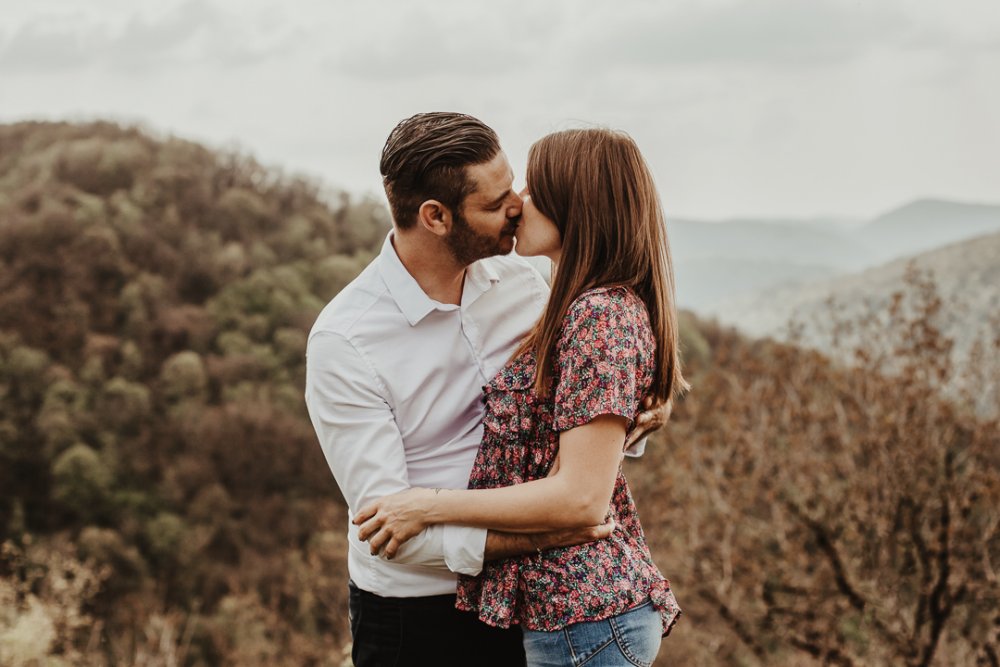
(812, 513)
(43, 616)
(154, 302)
(164, 501)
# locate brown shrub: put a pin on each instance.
(811, 513)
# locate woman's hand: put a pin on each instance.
(390, 521)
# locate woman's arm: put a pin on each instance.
(604, 343)
(577, 495)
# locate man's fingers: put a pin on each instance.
(652, 418)
(630, 440)
(572, 536)
(604, 530)
(642, 423)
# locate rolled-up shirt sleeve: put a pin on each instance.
(364, 449)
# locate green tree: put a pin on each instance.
(82, 482)
(183, 377)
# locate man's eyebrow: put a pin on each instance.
(499, 200)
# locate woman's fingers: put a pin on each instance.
(392, 547)
(370, 527)
(384, 525)
(379, 535)
(365, 513)
(377, 541)
(385, 540)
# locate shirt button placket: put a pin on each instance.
(471, 333)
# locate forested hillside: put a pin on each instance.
(163, 500)
(154, 302)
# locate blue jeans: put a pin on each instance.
(631, 638)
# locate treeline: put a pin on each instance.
(163, 500)
(155, 298)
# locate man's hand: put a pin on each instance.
(569, 537)
(505, 545)
(650, 419)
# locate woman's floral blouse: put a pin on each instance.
(604, 365)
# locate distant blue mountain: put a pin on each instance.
(926, 224)
(762, 240)
(719, 261)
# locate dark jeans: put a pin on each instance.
(426, 631)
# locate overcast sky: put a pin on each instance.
(743, 108)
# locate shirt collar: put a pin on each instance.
(479, 278)
(412, 301)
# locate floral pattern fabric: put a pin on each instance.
(604, 365)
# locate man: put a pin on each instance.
(395, 369)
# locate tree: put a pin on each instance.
(847, 515)
(82, 482)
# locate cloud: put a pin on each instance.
(567, 43)
(191, 33)
(456, 38)
(785, 33)
(741, 106)
(38, 47)
(933, 38)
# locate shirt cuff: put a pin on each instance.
(637, 449)
(464, 549)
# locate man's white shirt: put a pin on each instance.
(394, 389)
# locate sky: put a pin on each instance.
(752, 108)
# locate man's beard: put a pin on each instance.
(467, 245)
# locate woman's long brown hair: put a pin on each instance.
(596, 187)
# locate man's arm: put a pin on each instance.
(505, 545)
(364, 449)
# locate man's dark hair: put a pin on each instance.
(425, 158)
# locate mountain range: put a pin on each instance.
(957, 286)
(719, 262)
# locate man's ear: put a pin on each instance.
(435, 217)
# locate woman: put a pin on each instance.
(557, 415)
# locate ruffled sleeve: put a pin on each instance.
(598, 356)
